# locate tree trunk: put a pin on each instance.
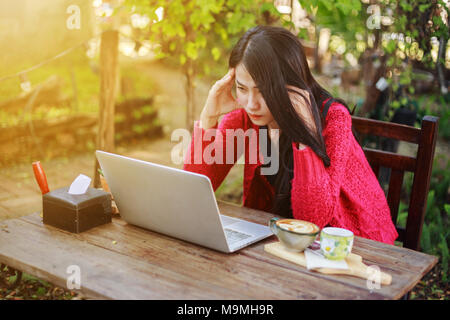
(440, 71)
(371, 74)
(190, 95)
(109, 71)
(372, 93)
(317, 58)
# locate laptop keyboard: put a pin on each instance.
(235, 236)
(226, 220)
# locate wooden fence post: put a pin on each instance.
(109, 71)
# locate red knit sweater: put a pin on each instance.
(346, 194)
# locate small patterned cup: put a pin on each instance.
(336, 243)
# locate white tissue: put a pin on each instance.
(80, 185)
(315, 259)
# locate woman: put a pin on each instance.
(323, 175)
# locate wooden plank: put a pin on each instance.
(193, 271)
(109, 72)
(386, 129)
(400, 278)
(356, 267)
(390, 160)
(404, 275)
(395, 189)
(375, 169)
(236, 272)
(421, 182)
(401, 234)
(406, 266)
(397, 258)
(393, 256)
(47, 252)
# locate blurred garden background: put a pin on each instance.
(147, 65)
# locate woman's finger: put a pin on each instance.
(229, 76)
(224, 79)
(226, 83)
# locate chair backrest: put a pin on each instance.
(421, 165)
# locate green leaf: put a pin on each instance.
(447, 209)
(169, 30)
(406, 6)
(425, 239)
(390, 61)
(191, 50)
(424, 7)
(402, 214)
(182, 59)
(160, 55)
(444, 254)
(303, 33)
(329, 4)
(404, 101)
(395, 104)
(391, 46)
(405, 80)
(437, 21)
(206, 69)
(430, 200)
(216, 53)
(40, 291)
(269, 6)
(345, 6)
(200, 41)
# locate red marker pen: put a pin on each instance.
(40, 177)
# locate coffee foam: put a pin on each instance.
(297, 226)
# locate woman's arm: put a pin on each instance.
(207, 153)
(208, 149)
(315, 189)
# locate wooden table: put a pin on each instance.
(121, 261)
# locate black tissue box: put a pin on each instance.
(76, 213)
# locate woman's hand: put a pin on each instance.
(220, 101)
(303, 108)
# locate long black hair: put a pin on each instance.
(275, 59)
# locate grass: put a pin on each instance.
(432, 287)
(31, 288)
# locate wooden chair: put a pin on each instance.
(421, 165)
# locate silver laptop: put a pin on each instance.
(174, 202)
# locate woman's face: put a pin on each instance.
(251, 99)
